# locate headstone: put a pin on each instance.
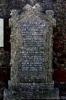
(31, 55)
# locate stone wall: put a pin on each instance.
(59, 33)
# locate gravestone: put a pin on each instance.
(31, 54)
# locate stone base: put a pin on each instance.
(31, 91)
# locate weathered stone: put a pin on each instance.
(31, 52)
(31, 55)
